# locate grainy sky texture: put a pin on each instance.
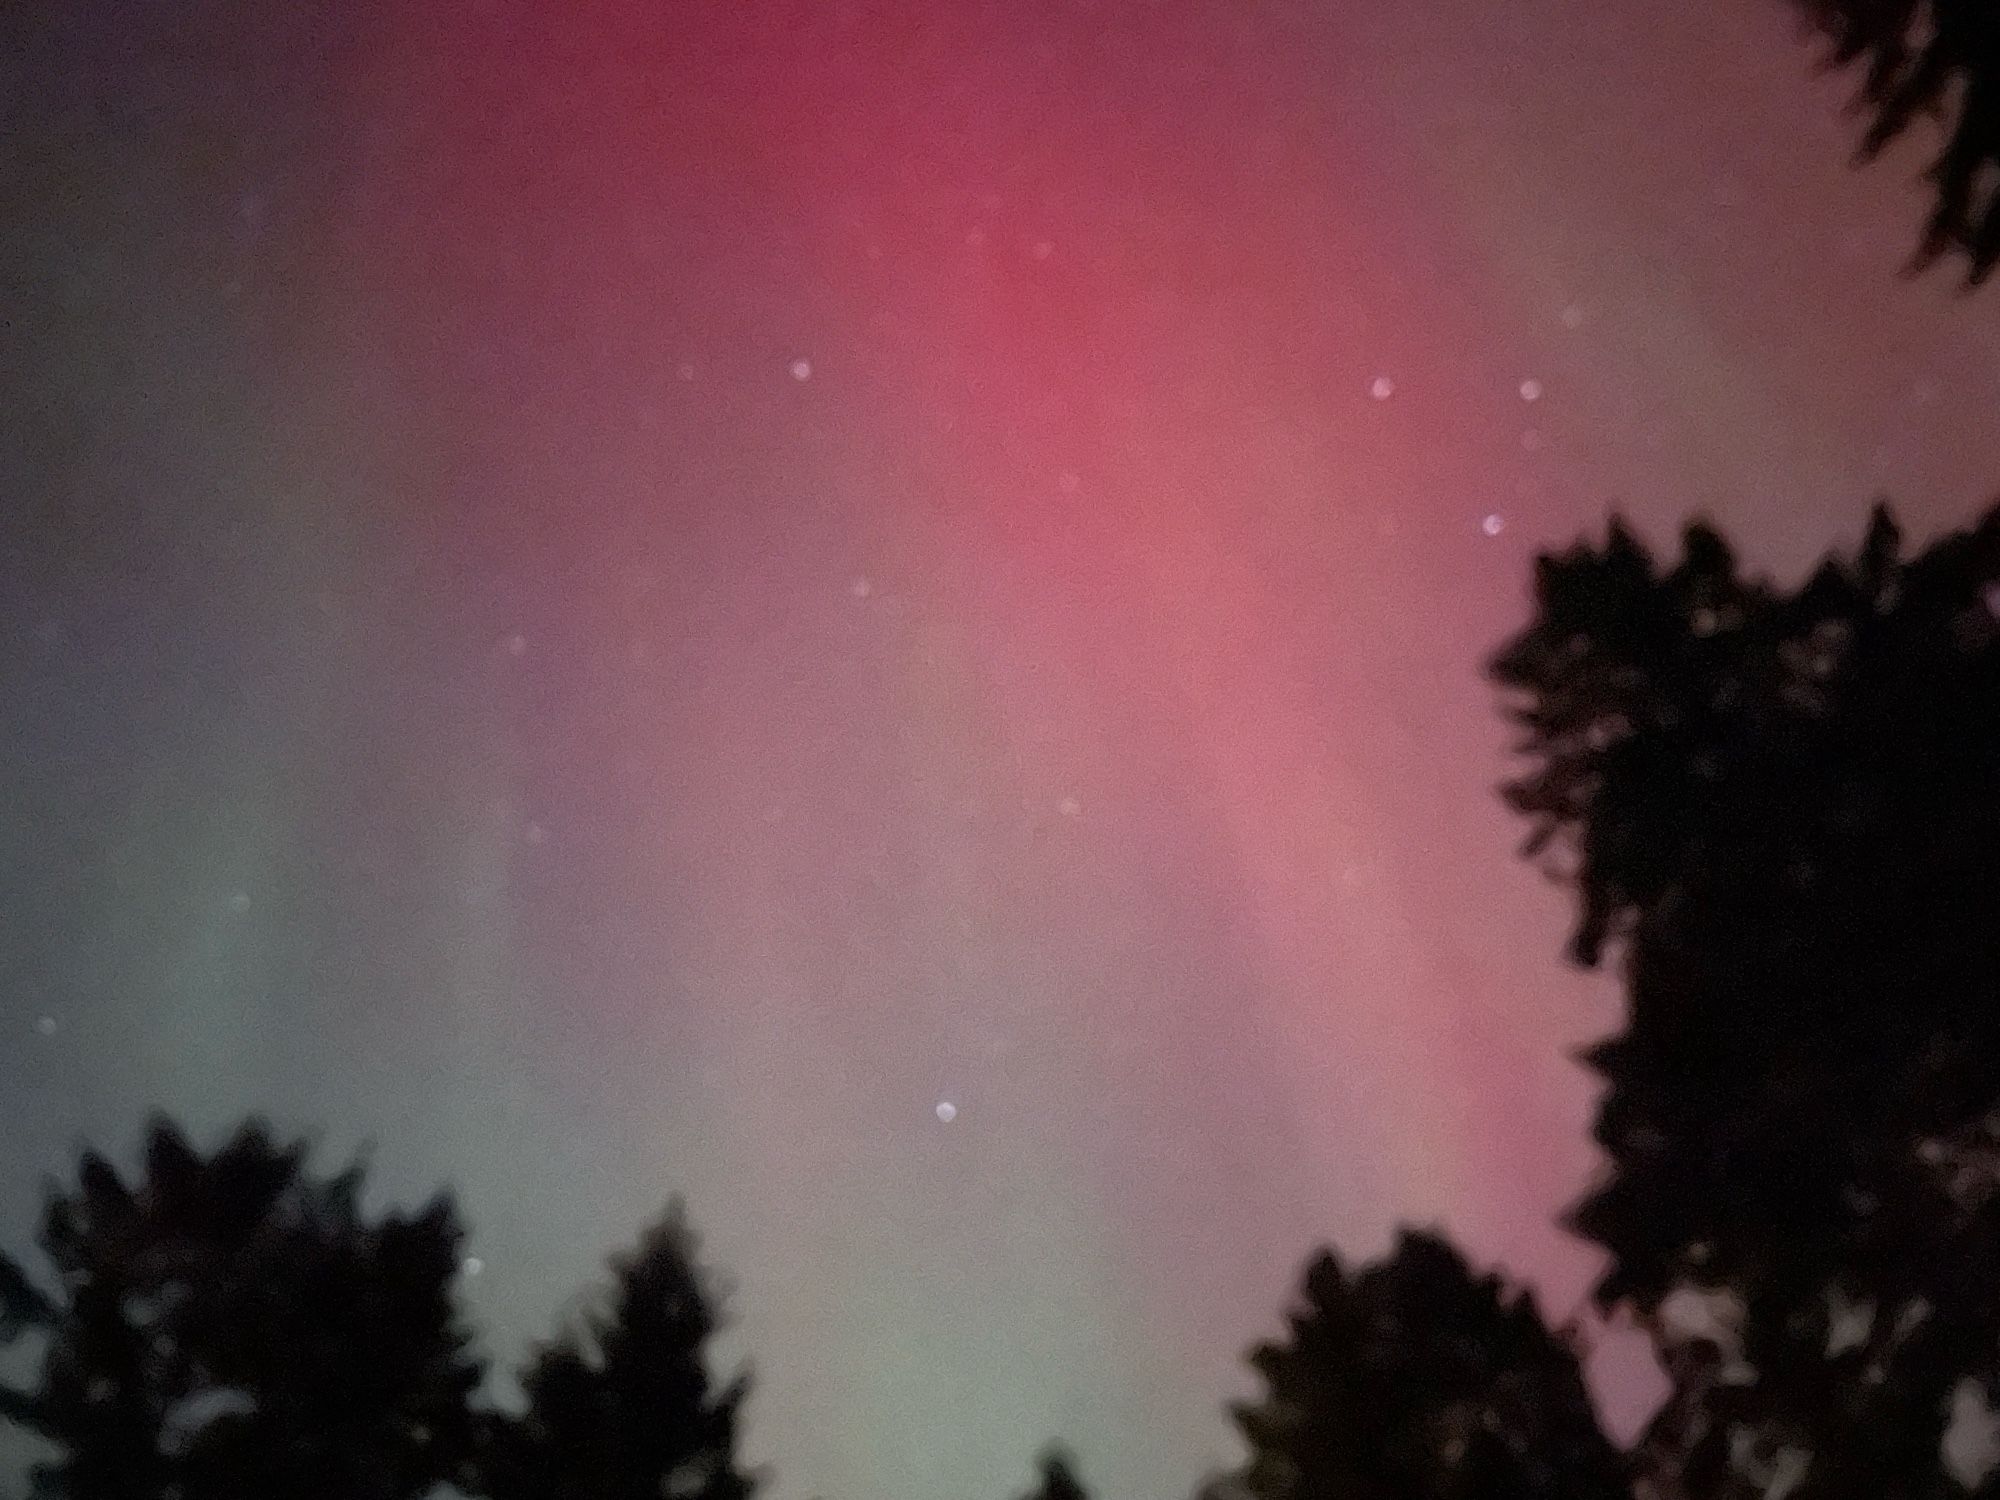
(626, 597)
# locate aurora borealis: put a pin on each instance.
(631, 597)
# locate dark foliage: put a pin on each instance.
(1058, 1479)
(1922, 59)
(1785, 806)
(1414, 1379)
(626, 1407)
(230, 1326)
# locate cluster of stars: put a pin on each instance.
(1381, 388)
(1531, 390)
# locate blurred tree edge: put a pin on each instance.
(230, 1325)
(1783, 807)
(1931, 59)
(1057, 1477)
(1415, 1379)
(624, 1407)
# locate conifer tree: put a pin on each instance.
(1415, 1379)
(1925, 60)
(232, 1325)
(1057, 1477)
(625, 1406)
(1781, 809)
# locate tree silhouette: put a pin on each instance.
(1784, 807)
(1414, 1379)
(1931, 59)
(625, 1408)
(1057, 1477)
(232, 1326)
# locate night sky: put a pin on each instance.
(872, 613)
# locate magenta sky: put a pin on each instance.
(628, 597)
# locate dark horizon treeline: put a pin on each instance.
(1780, 810)
(232, 1324)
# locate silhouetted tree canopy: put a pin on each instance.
(1931, 59)
(1779, 808)
(1414, 1379)
(625, 1407)
(1784, 806)
(230, 1326)
(1058, 1479)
